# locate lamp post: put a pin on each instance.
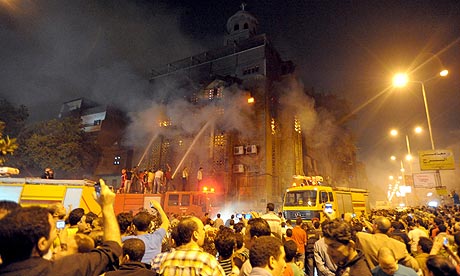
(400, 80)
(427, 114)
(400, 186)
(394, 132)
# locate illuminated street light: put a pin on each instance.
(393, 158)
(444, 73)
(400, 80)
(394, 132)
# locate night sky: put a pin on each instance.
(56, 51)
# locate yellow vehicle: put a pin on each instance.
(195, 203)
(79, 193)
(37, 191)
(309, 197)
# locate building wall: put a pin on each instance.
(265, 173)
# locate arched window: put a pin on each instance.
(236, 27)
(246, 26)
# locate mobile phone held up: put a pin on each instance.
(97, 188)
(445, 241)
(60, 224)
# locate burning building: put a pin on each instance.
(249, 143)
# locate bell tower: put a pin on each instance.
(240, 26)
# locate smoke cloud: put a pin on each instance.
(56, 51)
(187, 119)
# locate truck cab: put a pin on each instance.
(309, 197)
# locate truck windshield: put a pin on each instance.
(300, 198)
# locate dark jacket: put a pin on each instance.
(357, 266)
(132, 268)
(93, 263)
(403, 236)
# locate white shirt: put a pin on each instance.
(158, 174)
(274, 221)
(414, 236)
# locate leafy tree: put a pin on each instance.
(7, 145)
(12, 120)
(61, 145)
(14, 117)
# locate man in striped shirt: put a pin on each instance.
(225, 244)
(189, 258)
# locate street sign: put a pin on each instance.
(442, 191)
(424, 180)
(441, 159)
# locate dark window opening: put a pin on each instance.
(185, 200)
(173, 200)
(251, 70)
(246, 26)
(323, 197)
(236, 27)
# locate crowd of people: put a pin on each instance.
(146, 181)
(419, 241)
(156, 181)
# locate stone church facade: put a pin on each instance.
(256, 167)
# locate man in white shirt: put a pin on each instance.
(158, 181)
(218, 222)
(273, 220)
(414, 235)
(199, 178)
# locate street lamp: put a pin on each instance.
(400, 188)
(394, 132)
(401, 80)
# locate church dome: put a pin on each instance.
(242, 21)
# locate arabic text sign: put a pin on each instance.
(436, 160)
(442, 191)
(424, 180)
